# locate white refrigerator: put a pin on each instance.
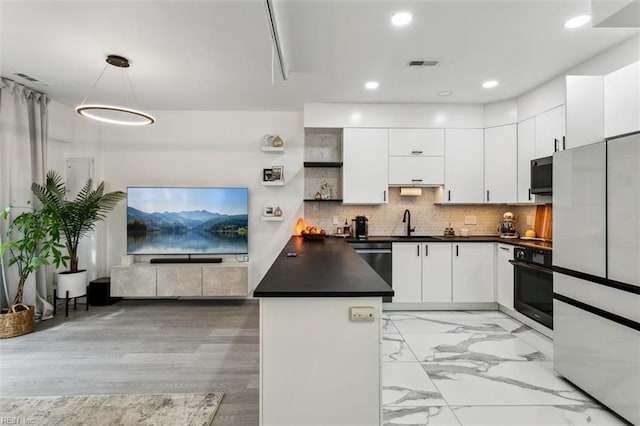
(596, 257)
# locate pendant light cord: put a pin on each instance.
(94, 84)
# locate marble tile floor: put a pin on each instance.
(476, 368)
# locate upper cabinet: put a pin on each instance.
(464, 166)
(500, 164)
(416, 142)
(416, 157)
(526, 153)
(622, 101)
(585, 115)
(550, 132)
(366, 166)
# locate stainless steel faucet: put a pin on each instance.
(407, 218)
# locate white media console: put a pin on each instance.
(180, 279)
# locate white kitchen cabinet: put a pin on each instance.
(501, 164)
(473, 278)
(549, 132)
(623, 209)
(579, 212)
(504, 275)
(436, 272)
(585, 115)
(365, 173)
(622, 101)
(416, 171)
(415, 142)
(464, 166)
(406, 272)
(526, 153)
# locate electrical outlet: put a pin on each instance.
(470, 220)
(529, 221)
(336, 221)
(362, 313)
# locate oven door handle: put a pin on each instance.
(531, 266)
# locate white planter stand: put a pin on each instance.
(71, 286)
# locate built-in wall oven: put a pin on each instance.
(533, 284)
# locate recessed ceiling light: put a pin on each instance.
(400, 19)
(371, 85)
(490, 84)
(445, 93)
(577, 21)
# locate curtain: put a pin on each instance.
(23, 152)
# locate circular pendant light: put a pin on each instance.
(113, 114)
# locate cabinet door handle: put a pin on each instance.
(416, 152)
(487, 195)
(418, 247)
(426, 250)
(456, 249)
(504, 248)
(384, 196)
(564, 143)
(416, 180)
(529, 194)
(448, 195)
(555, 145)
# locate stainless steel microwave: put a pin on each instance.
(542, 176)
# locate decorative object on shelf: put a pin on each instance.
(115, 114)
(277, 212)
(272, 141)
(325, 190)
(273, 175)
(268, 211)
(318, 196)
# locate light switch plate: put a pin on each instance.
(362, 313)
(470, 220)
(529, 221)
(336, 220)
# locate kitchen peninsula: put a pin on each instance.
(306, 308)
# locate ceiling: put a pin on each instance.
(217, 55)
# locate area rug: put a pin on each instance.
(165, 409)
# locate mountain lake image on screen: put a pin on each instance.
(187, 220)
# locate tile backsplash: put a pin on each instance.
(427, 217)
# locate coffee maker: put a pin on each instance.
(360, 228)
(508, 226)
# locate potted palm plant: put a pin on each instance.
(75, 219)
(37, 244)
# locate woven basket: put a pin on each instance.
(16, 320)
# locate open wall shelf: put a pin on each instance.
(334, 164)
(333, 200)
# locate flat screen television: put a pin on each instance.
(187, 220)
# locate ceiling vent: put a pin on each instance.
(423, 63)
(29, 78)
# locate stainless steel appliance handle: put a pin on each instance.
(531, 266)
(386, 251)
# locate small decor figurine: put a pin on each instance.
(318, 196)
(277, 211)
(272, 141)
(325, 191)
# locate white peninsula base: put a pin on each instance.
(317, 367)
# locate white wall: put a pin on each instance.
(209, 148)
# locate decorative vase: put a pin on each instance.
(277, 211)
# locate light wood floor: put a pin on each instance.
(142, 346)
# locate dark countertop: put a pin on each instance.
(325, 268)
(545, 245)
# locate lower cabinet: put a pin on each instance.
(444, 272)
(166, 280)
(473, 272)
(504, 275)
